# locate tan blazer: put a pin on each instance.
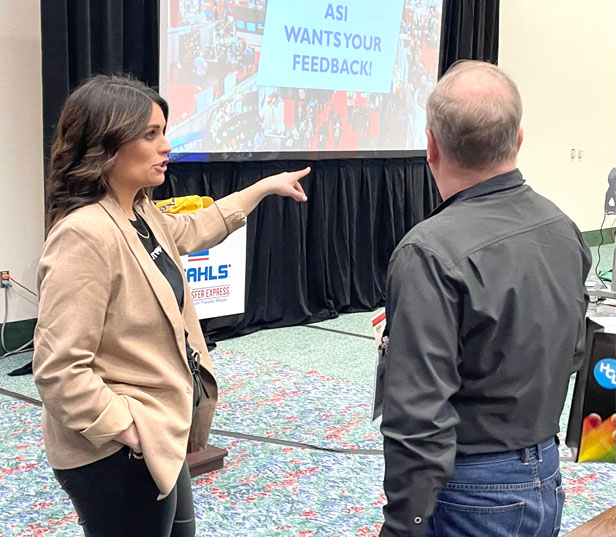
(109, 343)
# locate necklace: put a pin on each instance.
(144, 225)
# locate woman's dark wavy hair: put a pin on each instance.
(98, 117)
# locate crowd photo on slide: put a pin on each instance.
(214, 48)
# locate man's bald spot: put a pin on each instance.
(477, 84)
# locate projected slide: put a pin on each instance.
(270, 76)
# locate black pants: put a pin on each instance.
(116, 496)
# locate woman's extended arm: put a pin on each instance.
(208, 227)
(283, 184)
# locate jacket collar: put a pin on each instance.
(499, 183)
(159, 284)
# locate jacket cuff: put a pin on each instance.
(232, 212)
(115, 419)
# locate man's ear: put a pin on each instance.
(520, 138)
(432, 152)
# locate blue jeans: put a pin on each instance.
(510, 494)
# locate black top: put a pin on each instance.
(161, 258)
(485, 310)
(176, 280)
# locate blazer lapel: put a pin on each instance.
(159, 284)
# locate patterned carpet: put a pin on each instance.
(297, 384)
(264, 489)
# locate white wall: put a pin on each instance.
(562, 55)
(21, 152)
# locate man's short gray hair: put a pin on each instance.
(476, 133)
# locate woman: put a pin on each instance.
(120, 361)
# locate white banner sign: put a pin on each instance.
(217, 277)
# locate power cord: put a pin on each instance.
(26, 346)
(599, 252)
(23, 287)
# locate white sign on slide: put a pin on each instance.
(217, 277)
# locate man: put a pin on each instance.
(200, 65)
(485, 309)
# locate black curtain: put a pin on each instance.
(308, 262)
(469, 31)
(305, 262)
(81, 38)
